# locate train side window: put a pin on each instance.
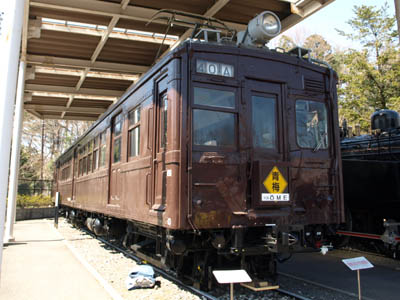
(89, 157)
(214, 117)
(89, 167)
(116, 138)
(96, 153)
(117, 150)
(164, 120)
(80, 168)
(311, 124)
(134, 132)
(102, 150)
(84, 164)
(264, 122)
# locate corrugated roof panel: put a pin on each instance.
(54, 79)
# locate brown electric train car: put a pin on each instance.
(223, 155)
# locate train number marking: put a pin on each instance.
(214, 68)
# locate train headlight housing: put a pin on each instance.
(271, 24)
(261, 29)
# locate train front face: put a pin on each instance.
(264, 166)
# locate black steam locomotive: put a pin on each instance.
(371, 175)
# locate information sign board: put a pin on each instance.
(231, 276)
(357, 263)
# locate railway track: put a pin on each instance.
(166, 275)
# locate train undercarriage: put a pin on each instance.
(191, 257)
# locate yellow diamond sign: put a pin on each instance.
(275, 183)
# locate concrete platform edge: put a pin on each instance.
(110, 290)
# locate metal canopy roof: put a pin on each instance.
(83, 55)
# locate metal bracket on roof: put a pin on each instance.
(301, 53)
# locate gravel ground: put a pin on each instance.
(114, 267)
(310, 290)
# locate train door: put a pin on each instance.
(270, 167)
(159, 171)
(115, 160)
(218, 177)
(74, 173)
(314, 168)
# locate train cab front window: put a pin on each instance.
(311, 124)
(214, 117)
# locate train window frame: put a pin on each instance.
(232, 110)
(276, 121)
(327, 121)
(116, 137)
(95, 164)
(102, 149)
(89, 156)
(132, 126)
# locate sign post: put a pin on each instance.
(358, 263)
(56, 209)
(231, 277)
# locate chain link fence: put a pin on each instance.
(35, 187)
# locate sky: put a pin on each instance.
(335, 15)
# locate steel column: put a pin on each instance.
(15, 150)
(10, 44)
(397, 8)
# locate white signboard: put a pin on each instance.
(357, 263)
(214, 68)
(232, 276)
(275, 197)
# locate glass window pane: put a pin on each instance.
(264, 120)
(134, 116)
(134, 141)
(102, 155)
(84, 167)
(117, 128)
(95, 159)
(216, 98)
(103, 138)
(164, 117)
(212, 128)
(117, 150)
(311, 124)
(89, 163)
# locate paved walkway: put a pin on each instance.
(377, 283)
(39, 265)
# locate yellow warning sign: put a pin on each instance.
(275, 183)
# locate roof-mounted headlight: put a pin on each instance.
(261, 29)
(271, 24)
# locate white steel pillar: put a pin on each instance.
(397, 8)
(15, 150)
(10, 43)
